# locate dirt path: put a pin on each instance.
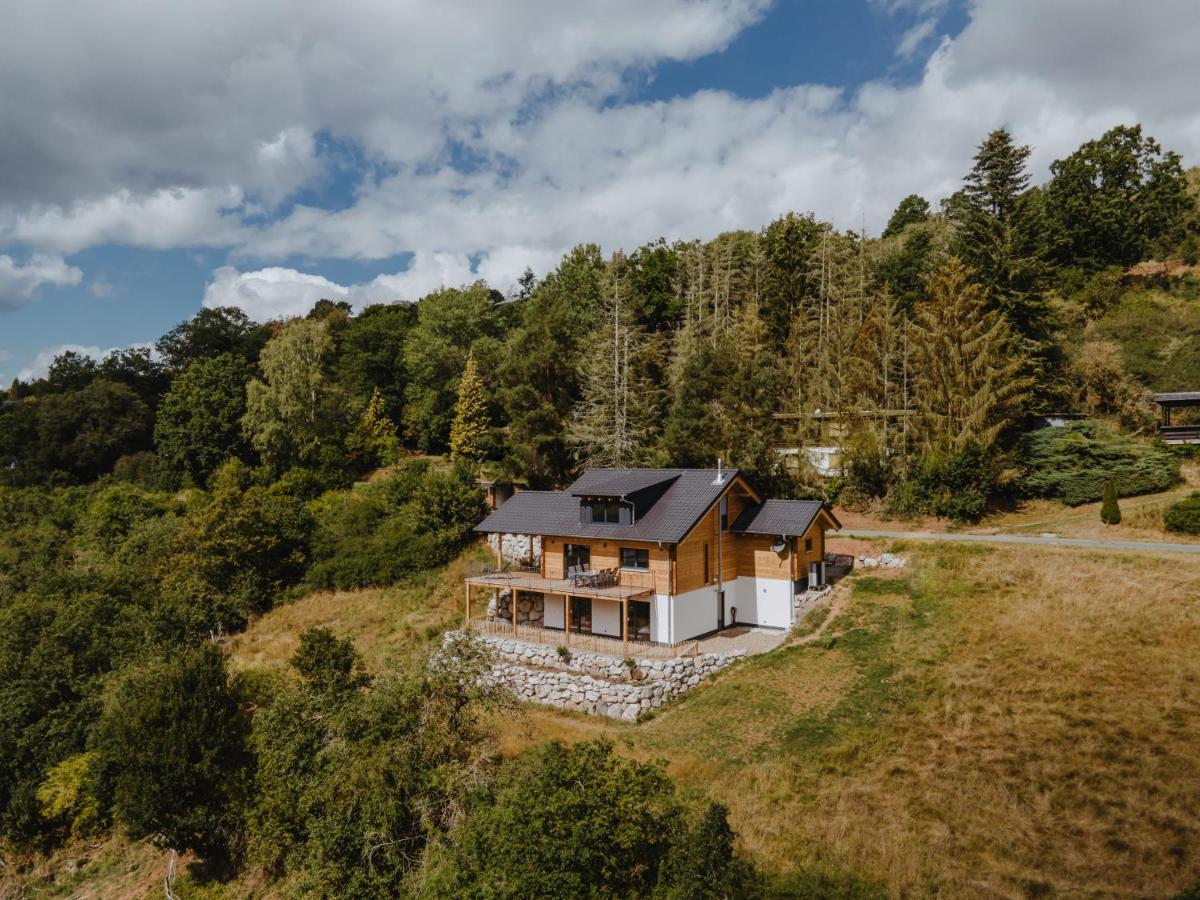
(838, 598)
(958, 537)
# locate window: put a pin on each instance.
(577, 555)
(634, 558)
(808, 545)
(602, 512)
(706, 564)
(724, 513)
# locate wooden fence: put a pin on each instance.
(586, 643)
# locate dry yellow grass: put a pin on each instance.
(997, 722)
(380, 621)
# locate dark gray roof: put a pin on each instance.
(618, 482)
(790, 518)
(689, 496)
(1178, 397)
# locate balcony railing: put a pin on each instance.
(619, 584)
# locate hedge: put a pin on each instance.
(1073, 464)
(1184, 516)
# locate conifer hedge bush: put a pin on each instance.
(1074, 463)
(1184, 516)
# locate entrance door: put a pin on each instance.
(581, 615)
(638, 626)
(720, 609)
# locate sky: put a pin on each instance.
(157, 158)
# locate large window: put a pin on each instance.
(605, 512)
(635, 558)
(576, 555)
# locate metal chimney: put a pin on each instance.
(720, 479)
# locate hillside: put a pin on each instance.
(986, 722)
(989, 723)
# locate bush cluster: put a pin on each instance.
(1073, 464)
(1184, 516)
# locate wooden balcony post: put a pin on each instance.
(567, 618)
(625, 626)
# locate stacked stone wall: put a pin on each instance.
(521, 549)
(597, 684)
(531, 608)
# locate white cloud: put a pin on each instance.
(231, 125)
(914, 38)
(271, 293)
(18, 282)
(166, 218)
(276, 292)
(693, 166)
(39, 366)
(102, 288)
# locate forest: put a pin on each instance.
(158, 500)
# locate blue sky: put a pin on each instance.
(158, 159)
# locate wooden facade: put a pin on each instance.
(695, 562)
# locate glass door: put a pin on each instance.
(578, 556)
(581, 615)
(639, 620)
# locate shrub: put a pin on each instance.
(171, 752)
(593, 825)
(383, 531)
(1184, 516)
(958, 485)
(1110, 511)
(1074, 463)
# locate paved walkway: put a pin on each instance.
(1087, 543)
(743, 637)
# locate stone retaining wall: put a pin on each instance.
(531, 608)
(802, 603)
(596, 684)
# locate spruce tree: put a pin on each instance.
(1002, 235)
(1110, 510)
(468, 433)
(374, 437)
(967, 366)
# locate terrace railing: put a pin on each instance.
(531, 578)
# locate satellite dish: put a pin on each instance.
(779, 546)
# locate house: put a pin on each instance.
(656, 555)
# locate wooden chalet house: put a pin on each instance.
(655, 555)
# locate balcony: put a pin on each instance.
(625, 585)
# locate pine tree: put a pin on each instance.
(374, 437)
(469, 432)
(1110, 509)
(969, 372)
(1002, 235)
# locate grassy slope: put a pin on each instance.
(986, 722)
(992, 722)
(1142, 518)
(381, 621)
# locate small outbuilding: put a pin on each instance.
(1178, 434)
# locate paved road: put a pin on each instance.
(1153, 546)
